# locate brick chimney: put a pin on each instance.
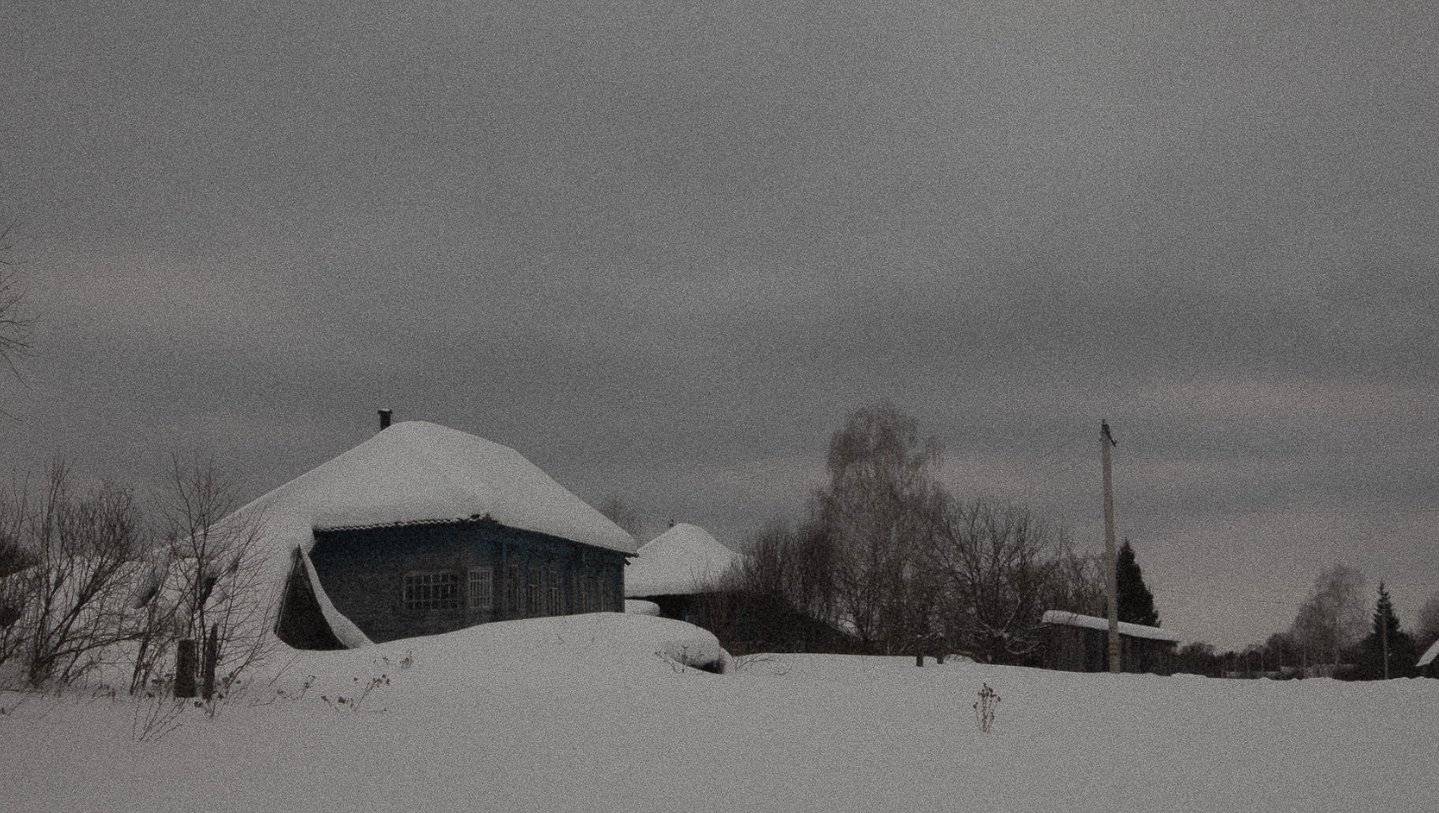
(384, 419)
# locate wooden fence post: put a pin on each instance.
(212, 654)
(185, 667)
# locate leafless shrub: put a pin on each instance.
(356, 699)
(984, 708)
(206, 585)
(156, 716)
(75, 600)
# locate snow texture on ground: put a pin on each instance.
(593, 713)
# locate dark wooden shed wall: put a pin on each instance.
(1082, 649)
(363, 571)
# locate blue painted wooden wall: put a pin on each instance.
(364, 571)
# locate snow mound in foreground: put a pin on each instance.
(612, 645)
(638, 606)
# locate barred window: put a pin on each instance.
(606, 593)
(552, 605)
(432, 591)
(482, 588)
(587, 592)
(512, 589)
(532, 592)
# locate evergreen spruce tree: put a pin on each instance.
(1136, 603)
(1403, 652)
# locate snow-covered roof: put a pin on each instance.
(1069, 619)
(1429, 655)
(679, 561)
(421, 472)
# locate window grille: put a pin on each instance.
(588, 598)
(482, 588)
(512, 590)
(532, 594)
(432, 591)
(552, 607)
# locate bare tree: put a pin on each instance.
(75, 600)
(1079, 584)
(14, 326)
(210, 582)
(1427, 630)
(1332, 618)
(619, 511)
(1001, 569)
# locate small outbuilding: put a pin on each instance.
(677, 569)
(424, 529)
(1080, 643)
(1426, 661)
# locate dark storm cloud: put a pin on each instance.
(664, 248)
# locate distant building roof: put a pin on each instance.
(680, 561)
(1069, 619)
(1429, 655)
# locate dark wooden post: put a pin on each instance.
(212, 654)
(185, 667)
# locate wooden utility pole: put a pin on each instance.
(1110, 556)
(1384, 633)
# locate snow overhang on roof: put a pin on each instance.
(681, 561)
(1067, 619)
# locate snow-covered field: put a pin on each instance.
(581, 714)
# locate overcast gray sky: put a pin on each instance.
(664, 248)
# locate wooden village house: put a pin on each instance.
(423, 529)
(1080, 643)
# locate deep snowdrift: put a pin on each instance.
(581, 714)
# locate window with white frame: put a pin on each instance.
(482, 588)
(434, 590)
(552, 594)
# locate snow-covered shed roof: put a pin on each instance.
(1429, 655)
(677, 562)
(1069, 619)
(416, 471)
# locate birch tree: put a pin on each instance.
(880, 511)
(1332, 617)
